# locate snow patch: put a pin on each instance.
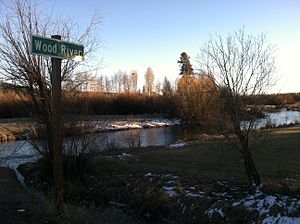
(170, 176)
(171, 191)
(211, 211)
(125, 125)
(148, 175)
(281, 220)
(263, 204)
(220, 194)
(177, 145)
(193, 195)
(124, 156)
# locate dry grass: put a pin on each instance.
(90, 103)
(276, 160)
(13, 105)
(123, 184)
(44, 209)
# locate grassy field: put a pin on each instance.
(202, 182)
(278, 159)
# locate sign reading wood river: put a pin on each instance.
(56, 48)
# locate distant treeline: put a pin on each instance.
(94, 103)
(281, 99)
(87, 103)
(118, 104)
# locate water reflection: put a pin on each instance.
(18, 151)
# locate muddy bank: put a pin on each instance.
(16, 129)
(23, 129)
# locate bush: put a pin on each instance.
(86, 103)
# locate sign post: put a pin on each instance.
(58, 177)
(57, 50)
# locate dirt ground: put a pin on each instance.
(278, 159)
(15, 202)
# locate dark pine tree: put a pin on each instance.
(167, 88)
(186, 67)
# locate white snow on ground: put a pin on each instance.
(124, 125)
(171, 191)
(191, 194)
(177, 145)
(12, 155)
(171, 176)
(281, 220)
(210, 212)
(219, 194)
(270, 208)
(124, 156)
(263, 204)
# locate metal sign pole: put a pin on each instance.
(56, 128)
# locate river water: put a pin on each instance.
(14, 153)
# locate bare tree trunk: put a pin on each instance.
(251, 170)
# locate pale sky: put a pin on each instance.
(139, 33)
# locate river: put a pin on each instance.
(14, 153)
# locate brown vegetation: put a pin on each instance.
(197, 100)
(93, 103)
(137, 185)
(13, 105)
(117, 104)
(196, 104)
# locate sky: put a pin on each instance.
(137, 34)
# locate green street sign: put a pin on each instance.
(56, 48)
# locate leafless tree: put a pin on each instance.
(149, 81)
(158, 87)
(101, 84)
(19, 66)
(85, 81)
(133, 138)
(242, 66)
(167, 89)
(118, 80)
(108, 84)
(126, 82)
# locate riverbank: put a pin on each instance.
(194, 182)
(22, 129)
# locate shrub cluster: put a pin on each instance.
(92, 103)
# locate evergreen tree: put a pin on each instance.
(167, 88)
(186, 67)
